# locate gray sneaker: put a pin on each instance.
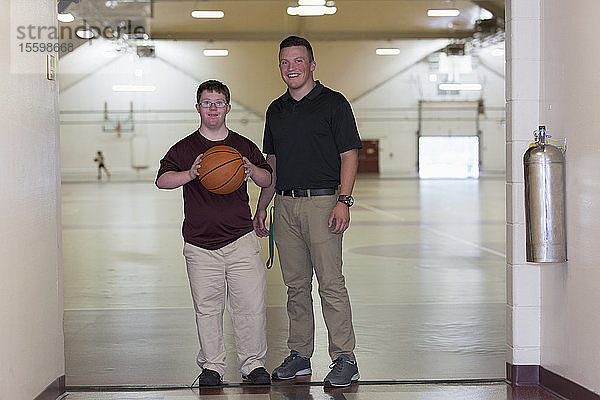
(293, 365)
(343, 372)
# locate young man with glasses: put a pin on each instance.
(312, 143)
(221, 249)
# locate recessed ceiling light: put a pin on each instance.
(485, 14)
(207, 14)
(460, 86)
(432, 77)
(133, 88)
(84, 33)
(387, 52)
(306, 11)
(311, 2)
(450, 12)
(66, 17)
(216, 52)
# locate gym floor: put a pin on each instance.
(424, 265)
(497, 391)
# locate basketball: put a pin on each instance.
(221, 170)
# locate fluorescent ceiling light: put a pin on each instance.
(432, 77)
(207, 14)
(133, 88)
(66, 17)
(305, 11)
(485, 14)
(450, 12)
(387, 52)
(85, 33)
(311, 2)
(216, 52)
(460, 86)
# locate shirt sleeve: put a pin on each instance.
(344, 127)
(268, 147)
(257, 158)
(169, 162)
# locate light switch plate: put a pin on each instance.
(50, 67)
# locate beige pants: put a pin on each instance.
(305, 243)
(236, 274)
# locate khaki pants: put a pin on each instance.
(305, 243)
(236, 274)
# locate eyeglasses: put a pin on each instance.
(208, 104)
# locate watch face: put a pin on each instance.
(347, 200)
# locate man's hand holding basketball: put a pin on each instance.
(260, 176)
(174, 179)
(194, 170)
(249, 168)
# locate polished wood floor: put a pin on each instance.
(424, 264)
(497, 391)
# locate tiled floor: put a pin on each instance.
(424, 265)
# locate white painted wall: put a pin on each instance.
(552, 314)
(31, 310)
(388, 113)
(522, 111)
(161, 117)
(570, 319)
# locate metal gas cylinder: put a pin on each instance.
(545, 221)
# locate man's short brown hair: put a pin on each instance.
(297, 41)
(213, 85)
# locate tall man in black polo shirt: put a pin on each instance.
(312, 143)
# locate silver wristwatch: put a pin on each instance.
(346, 199)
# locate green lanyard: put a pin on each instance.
(269, 262)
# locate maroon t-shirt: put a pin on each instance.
(211, 220)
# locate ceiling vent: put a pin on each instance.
(146, 51)
(455, 49)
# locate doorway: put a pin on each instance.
(448, 157)
(368, 157)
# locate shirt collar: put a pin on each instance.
(310, 95)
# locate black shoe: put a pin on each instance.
(208, 377)
(258, 376)
(294, 365)
(343, 372)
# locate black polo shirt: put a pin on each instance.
(307, 137)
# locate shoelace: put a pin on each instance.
(289, 359)
(338, 364)
(195, 380)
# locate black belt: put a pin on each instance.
(307, 192)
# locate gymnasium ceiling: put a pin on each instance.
(344, 42)
(268, 20)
